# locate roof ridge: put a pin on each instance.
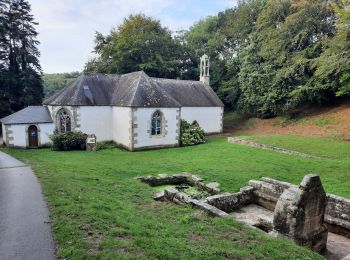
(137, 85)
(187, 80)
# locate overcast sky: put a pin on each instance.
(67, 27)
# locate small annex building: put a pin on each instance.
(134, 110)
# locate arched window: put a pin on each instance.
(156, 123)
(64, 121)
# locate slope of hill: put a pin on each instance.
(332, 122)
(56, 81)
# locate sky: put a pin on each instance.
(67, 27)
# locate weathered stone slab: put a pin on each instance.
(209, 208)
(159, 196)
(229, 202)
(299, 214)
(164, 179)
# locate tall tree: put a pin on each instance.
(140, 43)
(289, 37)
(333, 67)
(201, 39)
(20, 79)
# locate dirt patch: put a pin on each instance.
(200, 215)
(122, 236)
(94, 239)
(195, 237)
(331, 122)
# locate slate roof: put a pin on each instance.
(29, 115)
(135, 89)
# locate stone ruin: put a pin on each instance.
(299, 214)
(303, 213)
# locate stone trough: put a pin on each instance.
(303, 213)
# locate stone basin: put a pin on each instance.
(338, 247)
(304, 213)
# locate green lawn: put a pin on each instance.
(99, 211)
(322, 147)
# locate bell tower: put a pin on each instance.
(204, 70)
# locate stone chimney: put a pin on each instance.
(204, 70)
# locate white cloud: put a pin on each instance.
(67, 27)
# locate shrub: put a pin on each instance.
(191, 134)
(68, 141)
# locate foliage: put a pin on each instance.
(95, 202)
(140, 43)
(191, 134)
(333, 67)
(268, 57)
(57, 81)
(68, 141)
(20, 71)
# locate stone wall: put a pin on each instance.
(237, 140)
(264, 192)
(267, 191)
(182, 178)
(337, 215)
(229, 202)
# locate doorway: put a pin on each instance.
(33, 136)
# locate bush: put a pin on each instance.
(191, 134)
(68, 141)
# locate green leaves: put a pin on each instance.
(140, 43)
(68, 141)
(20, 71)
(191, 134)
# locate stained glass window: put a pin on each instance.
(157, 123)
(64, 121)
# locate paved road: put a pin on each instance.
(25, 230)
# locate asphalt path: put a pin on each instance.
(25, 229)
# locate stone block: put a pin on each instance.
(228, 202)
(209, 208)
(299, 214)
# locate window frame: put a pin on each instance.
(64, 125)
(157, 123)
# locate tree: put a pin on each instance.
(333, 67)
(222, 37)
(56, 81)
(20, 77)
(278, 67)
(237, 26)
(140, 43)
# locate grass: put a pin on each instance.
(325, 147)
(321, 121)
(99, 211)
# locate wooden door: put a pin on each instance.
(33, 136)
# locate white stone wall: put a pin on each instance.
(142, 137)
(19, 134)
(209, 118)
(122, 126)
(45, 131)
(96, 120)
